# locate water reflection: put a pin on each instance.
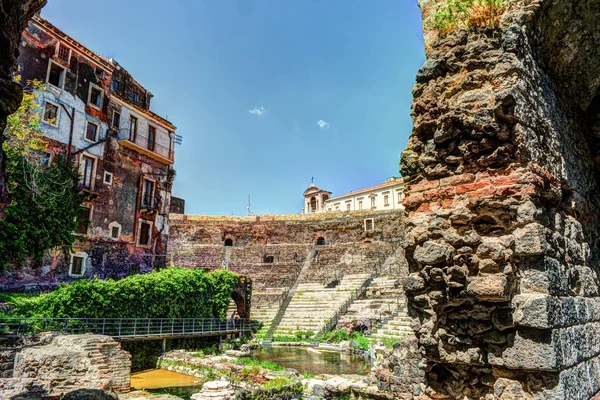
(304, 361)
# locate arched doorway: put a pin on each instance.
(320, 241)
(228, 242)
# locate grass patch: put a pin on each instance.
(276, 383)
(467, 14)
(271, 366)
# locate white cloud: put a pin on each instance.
(258, 111)
(323, 124)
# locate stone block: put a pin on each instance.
(543, 276)
(495, 288)
(547, 312)
(530, 240)
(432, 253)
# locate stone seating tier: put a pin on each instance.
(313, 304)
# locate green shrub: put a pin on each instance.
(169, 293)
(276, 383)
(466, 14)
(251, 362)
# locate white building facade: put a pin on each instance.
(384, 197)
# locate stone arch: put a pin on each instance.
(228, 241)
(320, 240)
(242, 296)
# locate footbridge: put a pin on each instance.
(126, 329)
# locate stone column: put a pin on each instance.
(503, 202)
(14, 14)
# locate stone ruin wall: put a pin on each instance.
(348, 227)
(198, 242)
(503, 205)
(54, 365)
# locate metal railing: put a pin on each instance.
(125, 328)
(146, 142)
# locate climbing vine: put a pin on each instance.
(46, 205)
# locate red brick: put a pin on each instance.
(413, 199)
(504, 180)
(447, 203)
(424, 207)
(457, 180)
(471, 187)
(424, 185)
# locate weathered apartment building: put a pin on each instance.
(95, 112)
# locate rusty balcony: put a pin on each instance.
(141, 143)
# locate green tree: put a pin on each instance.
(46, 205)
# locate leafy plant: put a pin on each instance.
(466, 14)
(263, 364)
(46, 206)
(169, 293)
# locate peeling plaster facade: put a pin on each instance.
(124, 152)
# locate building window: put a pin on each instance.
(133, 124)
(95, 96)
(100, 73)
(399, 195)
(108, 178)
(46, 159)
(84, 221)
(148, 195)
(115, 86)
(145, 230)
(116, 120)
(348, 207)
(135, 97)
(64, 53)
(369, 224)
(386, 200)
(51, 113)
(373, 202)
(77, 264)
(115, 230)
(337, 206)
(360, 204)
(56, 75)
(151, 138)
(87, 171)
(91, 133)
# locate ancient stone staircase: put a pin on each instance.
(382, 299)
(397, 326)
(314, 305)
(265, 304)
(290, 294)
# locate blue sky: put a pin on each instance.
(266, 93)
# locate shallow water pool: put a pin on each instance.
(302, 360)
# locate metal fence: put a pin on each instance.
(126, 328)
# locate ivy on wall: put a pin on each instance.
(168, 293)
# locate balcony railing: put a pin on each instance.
(142, 143)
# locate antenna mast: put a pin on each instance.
(249, 212)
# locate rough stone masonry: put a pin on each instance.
(502, 194)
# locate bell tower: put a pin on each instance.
(315, 198)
